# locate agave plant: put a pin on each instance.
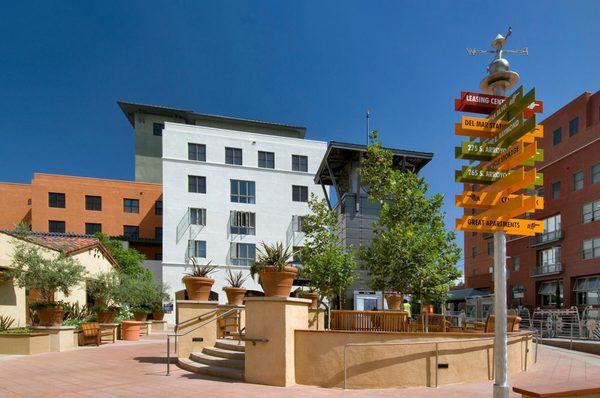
(200, 270)
(6, 322)
(235, 279)
(271, 255)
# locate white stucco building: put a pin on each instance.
(225, 191)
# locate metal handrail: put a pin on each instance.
(213, 319)
(436, 342)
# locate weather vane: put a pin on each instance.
(500, 77)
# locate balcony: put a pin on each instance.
(547, 237)
(547, 269)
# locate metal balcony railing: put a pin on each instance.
(547, 237)
(547, 269)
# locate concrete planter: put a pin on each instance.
(314, 297)
(61, 337)
(24, 343)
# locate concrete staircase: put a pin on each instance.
(224, 360)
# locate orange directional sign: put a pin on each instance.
(521, 204)
(513, 226)
(515, 181)
(486, 200)
(514, 155)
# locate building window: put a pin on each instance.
(296, 255)
(92, 228)
(474, 271)
(158, 210)
(516, 262)
(93, 203)
(158, 233)
(539, 191)
(242, 222)
(299, 163)
(549, 257)
(552, 224)
(573, 127)
(596, 173)
(587, 290)
(157, 129)
(243, 191)
(557, 136)
(57, 226)
(197, 216)
(591, 212)
(299, 193)
(591, 248)
(56, 200)
(233, 156)
(197, 152)
(474, 251)
(298, 223)
(551, 293)
(266, 160)
(158, 256)
(131, 205)
(131, 231)
(197, 184)
(490, 248)
(491, 269)
(578, 181)
(197, 248)
(556, 190)
(243, 254)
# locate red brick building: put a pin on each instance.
(561, 266)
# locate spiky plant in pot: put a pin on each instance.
(234, 290)
(276, 274)
(197, 282)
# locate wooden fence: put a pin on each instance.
(369, 321)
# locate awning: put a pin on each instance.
(591, 284)
(549, 288)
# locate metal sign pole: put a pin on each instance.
(499, 80)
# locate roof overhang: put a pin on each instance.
(339, 154)
(191, 117)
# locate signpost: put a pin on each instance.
(505, 145)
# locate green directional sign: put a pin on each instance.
(539, 157)
(476, 150)
(515, 104)
(514, 130)
(506, 104)
(476, 175)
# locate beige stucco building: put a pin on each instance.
(88, 251)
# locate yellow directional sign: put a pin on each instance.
(486, 200)
(513, 182)
(513, 226)
(514, 155)
(473, 127)
(521, 204)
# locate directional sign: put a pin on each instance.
(477, 175)
(517, 128)
(521, 204)
(513, 226)
(513, 105)
(486, 200)
(515, 181)
(471, 123)
(501, 110)
(485, 104)
(514, 155)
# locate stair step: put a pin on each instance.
(223, 353)
(232, 345)
(217, 361)
(209, 370)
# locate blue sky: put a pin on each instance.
(311, 63)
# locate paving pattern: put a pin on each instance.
(137, 369)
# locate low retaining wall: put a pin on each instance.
(24, 344)
(319, 358)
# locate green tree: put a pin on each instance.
(129, 260)
(412, 251)
(326, 261)
(45, 272)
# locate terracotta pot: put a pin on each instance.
(394, 301)
(50, 316)
(140, 316)
(130, 330)
(313, 296)
(158, 315)
(198, 288)
(106, 316)
(235, 295)
(278, 283)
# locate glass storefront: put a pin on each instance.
(587, 290)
